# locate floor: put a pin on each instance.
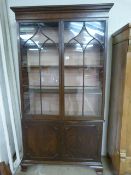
(63, 170)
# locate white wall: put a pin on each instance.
(9, 103)
(119, 15)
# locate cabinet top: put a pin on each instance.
(43, 12)
(122, 34)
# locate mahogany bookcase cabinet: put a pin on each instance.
(62, 56)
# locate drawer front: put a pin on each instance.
(41, 140)
(82, 142)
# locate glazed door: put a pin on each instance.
(40, 69)
(84, 44)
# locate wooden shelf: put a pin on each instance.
(66, 66)
(42, 66)
(85, 66)
(90, 90)
(75, 89)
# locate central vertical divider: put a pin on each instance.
(61, 46)
(40, 79)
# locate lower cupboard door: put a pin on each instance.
(41, 141)
(82, 142)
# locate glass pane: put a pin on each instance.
(73, 101)
(32, 102)
(49, 76)
(92, 102)
(93, 55)
(40, 67)
(71, 29)
(34, 76)
(73, 76)
(73, 55)
(27, 31)
(50, 103)
(39, 33)
(91, 77)
(32, 55)
(50, 55)
(96, 29)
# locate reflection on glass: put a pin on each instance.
(71, 29)
(96, 29)
(39, 33)
(73, 103)
(92, 102)
(27, 31)
(84, 32)
(84, 38)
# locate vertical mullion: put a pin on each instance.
(40, 79)
(61, 46)
(83, 83)
(59, 50)
(83, 78)
(104, 82)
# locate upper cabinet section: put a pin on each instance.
(62, 60)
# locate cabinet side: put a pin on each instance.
(125, 144)
(117, 96)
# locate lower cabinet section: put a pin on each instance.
(62, 141)
(82, 142)
(41, 140)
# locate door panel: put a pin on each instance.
(40, 68)
(82, 142)
(42, 140)
(83, 69)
